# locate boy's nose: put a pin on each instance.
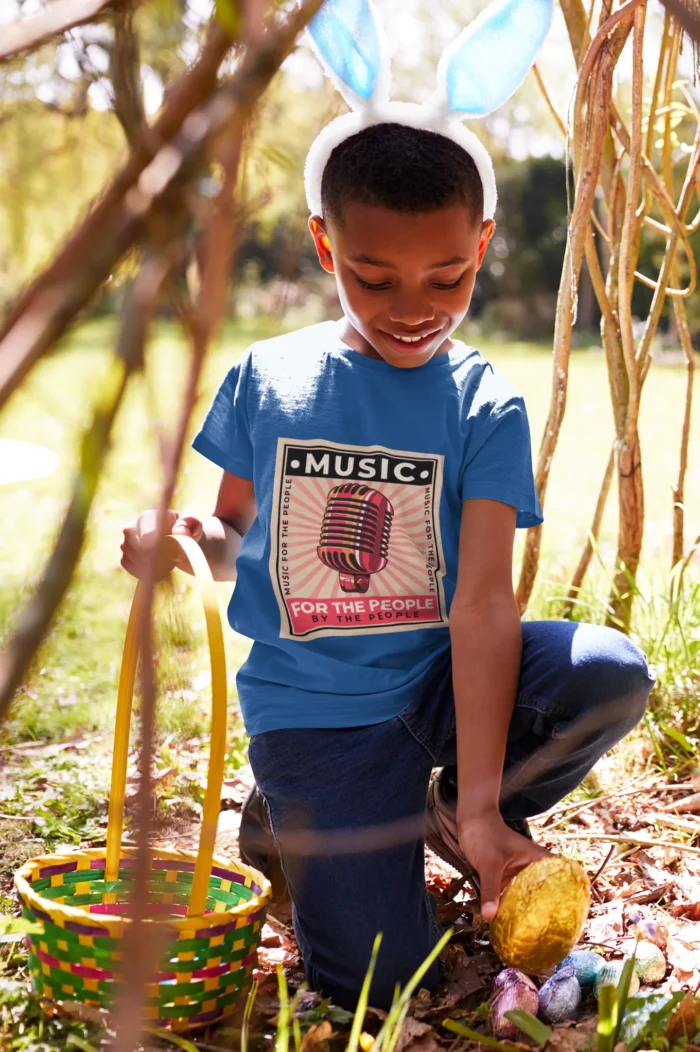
(411, 309)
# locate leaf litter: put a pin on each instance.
(646, 882)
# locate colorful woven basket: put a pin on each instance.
(212, 911)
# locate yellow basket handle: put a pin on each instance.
(217, 751)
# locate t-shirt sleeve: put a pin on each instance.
(224, 437)
(498, 460)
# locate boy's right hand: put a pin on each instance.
(140, 538)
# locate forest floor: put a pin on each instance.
(637, 838)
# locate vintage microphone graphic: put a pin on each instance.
(355, 534)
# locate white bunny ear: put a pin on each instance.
(490, 59)
(349, 42)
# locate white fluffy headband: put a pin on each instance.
(477, 73)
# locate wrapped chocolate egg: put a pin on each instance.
(586, 965)
(648, 1008)
(560, 997)
(610, 975)
(511, 989)
(541, 914)
(649, 962)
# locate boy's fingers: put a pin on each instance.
(148, 526)
(490, 878)
(188, 525)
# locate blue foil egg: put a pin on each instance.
(586, 965)
(560, 997)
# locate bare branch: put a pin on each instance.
(125, 74)
(689, 19)
(39, 611)
(27, 34)
(44, 311)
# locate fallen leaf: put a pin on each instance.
(417, 1037)
(316, 1035)
(685, 1020)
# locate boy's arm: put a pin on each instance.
(486, 649)
(219, 535)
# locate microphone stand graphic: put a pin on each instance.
(355, 534)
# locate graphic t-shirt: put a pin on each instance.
(345, 578)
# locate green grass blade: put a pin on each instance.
(391, 1029)
(530, 1025)
(247, 1015)
(164, 1035)
(607, 1017)
(481, 1039)
(363, 1001)
(282, 1038)
(623, 992)
(73, 1041)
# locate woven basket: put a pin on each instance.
(210, 910)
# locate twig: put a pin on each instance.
(48, 306)
(602, 866)
(688, 803)
(632, 838)
(686, 16)
(37, 614)
(594, 93)
(593, 534)
(684, 824)
(27, 34)
(576, 807)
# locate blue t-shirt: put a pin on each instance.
(345, 578)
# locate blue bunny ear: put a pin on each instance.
(347, 37)
(490, 59)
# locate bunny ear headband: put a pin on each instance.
(477, 73)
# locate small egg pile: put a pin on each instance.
(580, 975)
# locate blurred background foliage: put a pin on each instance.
(60, 137)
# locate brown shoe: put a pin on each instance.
(441, 829)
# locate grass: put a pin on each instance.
(58, 798)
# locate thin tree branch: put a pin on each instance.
(27, 34)
(689, 19)
(44, 311)
(38, 613)
(593, 535)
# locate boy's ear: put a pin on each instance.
(322, 243)
(487, 232)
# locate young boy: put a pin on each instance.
(374, 473)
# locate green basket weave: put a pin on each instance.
(211, 911)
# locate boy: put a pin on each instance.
(374, 473)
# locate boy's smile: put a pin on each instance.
(405, 280)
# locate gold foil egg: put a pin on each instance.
(541, 914)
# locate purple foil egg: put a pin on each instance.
(560, 997)
(511, 989)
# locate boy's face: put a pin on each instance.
(405, 281)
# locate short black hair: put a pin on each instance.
(405, 169)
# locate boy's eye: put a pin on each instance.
(373, 287)
(452, 285)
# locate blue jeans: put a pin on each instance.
(347, 805)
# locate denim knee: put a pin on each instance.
(613, 673)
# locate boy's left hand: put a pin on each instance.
(497, 853)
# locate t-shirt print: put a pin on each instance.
(356, 539)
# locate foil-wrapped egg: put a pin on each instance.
(649, 962)
(511, 989)
(609, 975)
(541, 914)
(586, 965)
(560, 997)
